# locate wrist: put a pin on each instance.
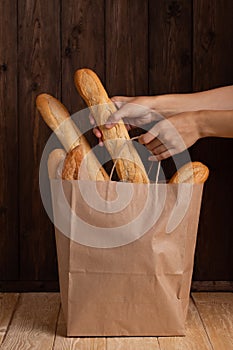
(203, 124)
(167, 105)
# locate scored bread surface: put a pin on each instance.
(72, 164)
(55, 163)
(192, 172)
(129, 165)
(58, 119)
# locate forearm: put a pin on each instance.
(215, 123)
(216, 99)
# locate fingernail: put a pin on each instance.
(140, 140)
(108, 125)
(152, 158)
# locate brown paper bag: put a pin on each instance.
(125, 256)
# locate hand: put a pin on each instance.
(173, 135)
(135, 111)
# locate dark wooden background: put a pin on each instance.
(137, 47)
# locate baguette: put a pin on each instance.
(192, 172)
(58, 119)
(129, 166)
(72, 164)
(55, 163)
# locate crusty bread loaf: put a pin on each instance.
(129, 165)
(58, 119)
(55, 163)
(72, 164)
(192, 172)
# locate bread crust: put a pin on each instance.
(129, 166)
(72, 164)
(58, 119)
(192, 172)
(55, 163)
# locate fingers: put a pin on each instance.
(119, 101)
(97, 133)
(117, 116)
(163, 155)
(149, 136)
(158, 150)
(123, 99)
(128, 127)
(92, 120)
(153, 144)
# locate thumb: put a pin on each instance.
(117, 116)
(122, 99)
(119, 101)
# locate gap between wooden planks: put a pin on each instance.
(35, 321)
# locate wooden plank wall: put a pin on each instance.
(137, 48)
(213, 52)
(9, 172)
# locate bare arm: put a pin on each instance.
(216, 123)
(190, 117)
(145, 109)
(216, 99)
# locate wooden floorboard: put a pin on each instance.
(216, 312)
(35, 321)
(64, 343)
(195, 339)
(134, 343)
(8, 302)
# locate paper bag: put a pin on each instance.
(125, 256)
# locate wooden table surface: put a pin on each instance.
(35, 321)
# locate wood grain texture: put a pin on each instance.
(212, 44)
(126, 47)
(212, 66)
(195, 338)
(7, 306)
(133, 343)
(170, 55)
(136, 47)
(170, 46)
(34, 322)
(29, 286)
(39, 71)
(215, 240)
(213, 298)
(216, 311)
(126, 51)
(82, 45)
(8, 142)
(212, 286)
(64, 343)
